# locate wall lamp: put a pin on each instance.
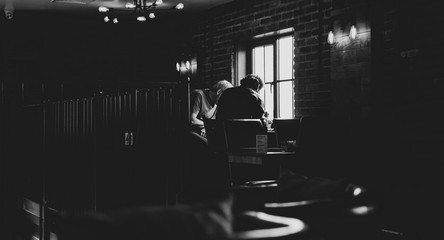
(187, 67)
(331, 39)
(183, 66)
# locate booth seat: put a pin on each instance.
(205, 220)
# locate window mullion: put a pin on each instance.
(275, 78)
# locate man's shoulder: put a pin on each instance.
(236, 90)
(197, 90)
(240, 93)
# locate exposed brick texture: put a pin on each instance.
(321, 70)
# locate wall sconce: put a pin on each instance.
(341, 41)
(183, 66)
(331, 38)
(178, 66)
(353, 32)
(186, 67)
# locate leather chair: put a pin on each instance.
(251, 184)
(241, 133)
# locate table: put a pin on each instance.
(258, 166)
(251, 157)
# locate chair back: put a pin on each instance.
(286, 129)
(241, 133)
(215, 134)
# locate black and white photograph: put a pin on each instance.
(221, 119)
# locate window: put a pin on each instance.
(271, 56)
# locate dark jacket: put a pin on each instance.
(239, 102)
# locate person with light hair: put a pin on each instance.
(204, 104)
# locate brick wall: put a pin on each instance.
(319, 67)
(392, 70)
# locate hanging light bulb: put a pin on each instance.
(106, 19)
(115, 21)
(180, 6)
(130, 5)
(103, 9)
(331, 37)
(353, 32)
(140, 7)
(141, 18)
(178, 66)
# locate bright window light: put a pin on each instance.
(274, 62)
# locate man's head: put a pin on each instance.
(252, 81)
(218, 87)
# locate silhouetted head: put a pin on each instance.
(252, 81)
(220, 85)
(217, 88)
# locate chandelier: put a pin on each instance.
(141, 9)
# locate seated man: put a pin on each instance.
(242, 101)
(204, 104)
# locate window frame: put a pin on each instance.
(247, 52)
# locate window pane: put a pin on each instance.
(285, 56)
(285, 99)
(268, 64)
(267, 96)
(263, 65)
(258, 61)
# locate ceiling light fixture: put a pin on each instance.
(103, 9)
(143, 9)
(179, 6)
(9, 9)
(141, 18)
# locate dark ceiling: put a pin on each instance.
(69, 42)
(82, 6)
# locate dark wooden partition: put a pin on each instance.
(97, 153)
